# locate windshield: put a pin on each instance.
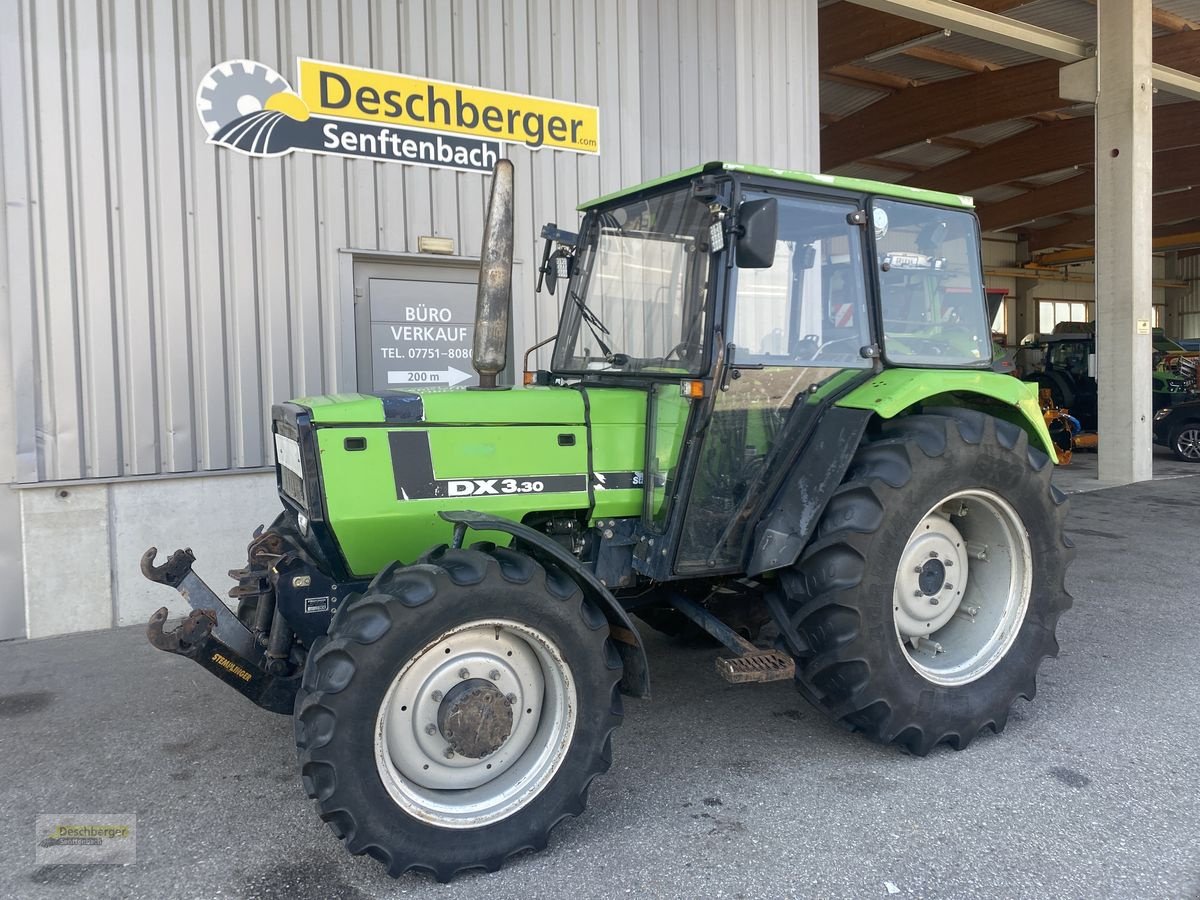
(930, 285)
(638, 293)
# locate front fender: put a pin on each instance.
(894, 391)
(635, 681)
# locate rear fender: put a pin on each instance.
(897, 391)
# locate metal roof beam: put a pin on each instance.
(849, 33)
(1174, 81)
(987, 26)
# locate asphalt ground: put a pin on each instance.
(715, 790)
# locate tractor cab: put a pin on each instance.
(746, 302)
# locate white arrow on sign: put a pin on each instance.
(450, 376)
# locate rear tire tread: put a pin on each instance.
(836, 673)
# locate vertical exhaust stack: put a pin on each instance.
(494, 301)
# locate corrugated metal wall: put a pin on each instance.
(164, 292)
(1188, 269)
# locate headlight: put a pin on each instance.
(291, 469)
(1162, 414)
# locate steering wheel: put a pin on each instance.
(809, 347)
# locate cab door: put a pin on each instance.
(795, 331)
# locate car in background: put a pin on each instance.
(1178, 427)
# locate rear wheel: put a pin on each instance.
(931, 593)
(458, 711)
(1185, 442)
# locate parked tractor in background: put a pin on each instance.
(1065, 366)
(770, 399)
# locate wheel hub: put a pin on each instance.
(932, 575)
(475, 718)
(475, 723)
(953, 623)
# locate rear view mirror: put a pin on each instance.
(758, 229)
(805, 258)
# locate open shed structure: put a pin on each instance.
(1076, 126)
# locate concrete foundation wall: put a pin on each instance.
(83, 544)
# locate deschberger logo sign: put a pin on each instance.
(371, 114)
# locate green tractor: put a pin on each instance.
(770, 415)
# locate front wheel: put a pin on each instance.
(931, 593)
(458, 711)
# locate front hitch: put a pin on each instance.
(213, 636)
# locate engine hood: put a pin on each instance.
(460, 406)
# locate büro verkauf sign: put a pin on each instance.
(385, 116)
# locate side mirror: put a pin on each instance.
(758, 230)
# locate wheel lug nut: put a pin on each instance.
(933, 601)
(464, 674)
(511, 698)
(918, 570)
(494, 675)
(448, 753)
(949, 586)
(918, 593)
(435, 696)
(948, 563)
(431, 728)
(933, 554)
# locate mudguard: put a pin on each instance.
(636, 679)
(788, 523)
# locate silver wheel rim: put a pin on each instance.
(962, 587)
(1188, 443)
(494, 658)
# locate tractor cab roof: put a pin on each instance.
(858, 185)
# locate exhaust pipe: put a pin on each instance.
(494, 301)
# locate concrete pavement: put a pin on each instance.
(715, 791)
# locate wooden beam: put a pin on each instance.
(1071, 193)
(1049, 148)
(1172, 169)
(951, 60)
(940, 108)
(937, 109)
(848, 33)
(1166, 19)
(860, 76)
(1079, 231)
(1177, 228)
(1175, 207)
(1171, 21)
(1179, 51)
